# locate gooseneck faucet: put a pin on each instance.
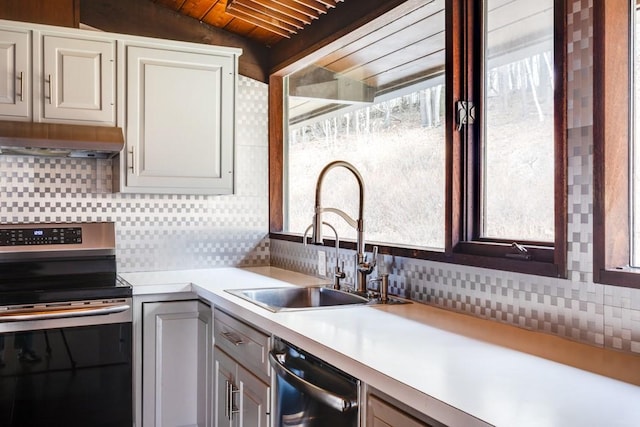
(362, 267)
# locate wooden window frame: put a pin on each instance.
(461, 244)
(611, 154)
(467, 245)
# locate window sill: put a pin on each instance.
(627, 277)
(501, 256)
(484, 255)
(384, 249)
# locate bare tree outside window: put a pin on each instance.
(398, 147)
(518, 155)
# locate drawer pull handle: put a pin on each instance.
(233, 338)
(230, 408)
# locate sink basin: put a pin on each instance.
(303, 298)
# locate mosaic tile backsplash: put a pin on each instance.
(574, 308)
(156, 232)
(161, 232)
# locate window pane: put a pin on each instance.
(635, 149)
(518, 153)
(378, 103)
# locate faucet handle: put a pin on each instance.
(370, 264)
(367, 266)
(374, 257)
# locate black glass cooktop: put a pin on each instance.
(67, 279)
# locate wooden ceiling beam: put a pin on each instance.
(274, 13)
(330, 3)
(261, 16)
(300, 17)
(145, 18)
(262, 22)
(300, 8)
(313, 4)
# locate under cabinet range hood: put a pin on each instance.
(60, 140)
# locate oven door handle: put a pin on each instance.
(330, 398)
(65, 313)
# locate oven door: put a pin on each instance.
(66, 364)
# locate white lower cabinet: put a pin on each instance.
(241, 374)
(383, 411)
(382, 414)
(241, 399)
(176, 359)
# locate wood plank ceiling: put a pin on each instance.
(381, 55)
(265, 21)
(283, 17)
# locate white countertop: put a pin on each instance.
(444, 364)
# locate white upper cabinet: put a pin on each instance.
(78, 80)
(179, 120)
(175, 101)
(15, 74)
(57, 77)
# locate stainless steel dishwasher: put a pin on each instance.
(311, 393)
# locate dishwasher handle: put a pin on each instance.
(328, 397)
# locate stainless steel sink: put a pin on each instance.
(303, 298)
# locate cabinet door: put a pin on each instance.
(254, 400)
(382, 414)
(176, 354)
(78, 80)
(15, 75)
(241, 399)
(180, 114)
(225, 397)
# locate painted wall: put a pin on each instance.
(156, 232)
(574, 308)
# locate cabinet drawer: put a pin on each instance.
(245, 344)
(380, 414)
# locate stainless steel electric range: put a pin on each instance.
(65, 327)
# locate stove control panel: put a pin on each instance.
(40, 236)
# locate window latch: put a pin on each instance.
(465, 114)
(520, 252)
